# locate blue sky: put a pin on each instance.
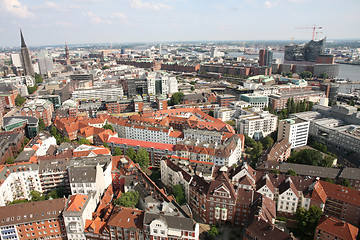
(50, 22)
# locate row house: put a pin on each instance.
(228, 153)
(53, 171)
(337, 201)
(122, 166)
(156, 150)
(33, 220)
(163, 226)
(9, 93)
(77, 209)
(90, 175)
(17, 181)
(126, 223)
(10, 144)
(333, 228)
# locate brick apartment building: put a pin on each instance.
(33, 220)
(39, 108)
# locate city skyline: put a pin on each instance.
(105, 21)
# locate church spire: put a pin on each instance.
(22, 39)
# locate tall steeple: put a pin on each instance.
(67, 55)
(22, 39)
(25, 58)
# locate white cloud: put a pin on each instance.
(119, 15)
(15, 8)
(270, 4)
(96, 19)
(139, 4)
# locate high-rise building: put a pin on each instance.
(15, 60)
(265, 57)
(295, 130)
(25, 58)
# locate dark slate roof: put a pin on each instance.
(308, 170)
(350, 173)
(84, 174)
(174, 222)
(264, 231)
(5, 88)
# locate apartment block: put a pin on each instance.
(256, 125)
(295, 130)
(17, 181)
(33, 220)
(39, 108)
(335, 229)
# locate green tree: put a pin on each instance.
(36, 196)
(345, 182)
(292, 106)
(213, 232)
(38, 78)
(142, 157)
(117, 151)
(131, 153)
(84, 141)
(231, 122)
(249, 142)
(267, 142)
(66, 139)
(105, 144)
(179, 194)
(9, 160)
(155, 175)
(256, 151)
(128, 199)
(324, 76)
(26, 141)
(31, 90)
(307, 221)
(108, 126)
(18, 201)
(290, 75)
(306, 74)
(327, 161)
(53, 131)
(53, 194)
(176, 98)
(309, 106)
(307, 156)
(192, 88)
(42, 125)
(291, 173)
(329, 180)
(19, 100)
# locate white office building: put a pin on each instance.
(256, 125)
(295, 130)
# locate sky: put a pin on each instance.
(54, 22)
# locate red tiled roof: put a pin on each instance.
(143, 144)
(127, 218)
(338, 228)
(76, 203)
(342, 193)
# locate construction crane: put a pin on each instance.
(313, 28)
